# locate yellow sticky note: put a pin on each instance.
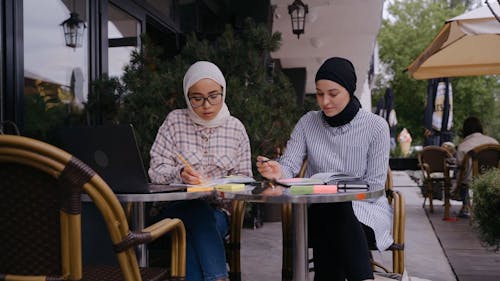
(200, 188)
(230, 187)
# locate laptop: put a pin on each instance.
(112, 151)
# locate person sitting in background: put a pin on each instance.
(343, 138)
(450, 147)
(472, 132)
(202, 141)
(451, 161)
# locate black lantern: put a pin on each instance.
(73, 30)
(298, 11)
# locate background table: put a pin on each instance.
(299, 214)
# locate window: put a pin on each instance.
(123, 38)
(55, 76)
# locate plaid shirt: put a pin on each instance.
(214, 152)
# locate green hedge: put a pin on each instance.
(486, 206)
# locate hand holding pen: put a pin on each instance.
(269, 168)
(188, 174)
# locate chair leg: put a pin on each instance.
(446, 201)
(401, 234)
(234, 240)
(429, 194)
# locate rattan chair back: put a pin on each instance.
(484, 158)
(432, 161)
(40, 236)
(397, 201)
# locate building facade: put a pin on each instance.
(42, 78)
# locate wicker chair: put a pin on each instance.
(397, 201)
(481, 158)
(435, 171)
(40, 236)
(484, 157)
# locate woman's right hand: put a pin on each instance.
(191, 176)
(269, 169)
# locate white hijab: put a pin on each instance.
(202, 70)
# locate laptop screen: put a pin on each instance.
(112, 151)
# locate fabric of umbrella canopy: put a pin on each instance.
(467, 45)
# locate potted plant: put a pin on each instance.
(486, 206)
(398, 161)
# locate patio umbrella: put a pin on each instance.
(385, 108)
(438, 115)
(467, 45)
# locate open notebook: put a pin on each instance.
(329, 182)
(227, 183)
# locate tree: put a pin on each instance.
(264, 101)
(408, 30)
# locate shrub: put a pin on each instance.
(486, 195)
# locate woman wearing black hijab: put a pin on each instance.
(344, 138)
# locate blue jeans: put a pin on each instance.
(206, 228)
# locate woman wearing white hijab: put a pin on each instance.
(215, 144)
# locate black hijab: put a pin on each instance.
(341, 71)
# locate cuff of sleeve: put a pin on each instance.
(178, 177)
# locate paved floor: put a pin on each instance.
(426, 258)
(470, 260)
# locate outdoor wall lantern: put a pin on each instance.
(73, 30)
(298, 11)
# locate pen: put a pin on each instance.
(346, 188)
(275, 182)
(186, 163)
(264, 161)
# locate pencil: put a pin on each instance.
(186, 163)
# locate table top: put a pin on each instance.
(157, 196)
(280, 194)
(277, 194)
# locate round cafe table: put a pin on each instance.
(282, 195)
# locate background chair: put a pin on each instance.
(484, 157)
(478, 160)
(40, 235)
(435, 171)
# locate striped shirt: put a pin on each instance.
(214, 152)
(359, 148)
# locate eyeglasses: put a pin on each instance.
(212, 99)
